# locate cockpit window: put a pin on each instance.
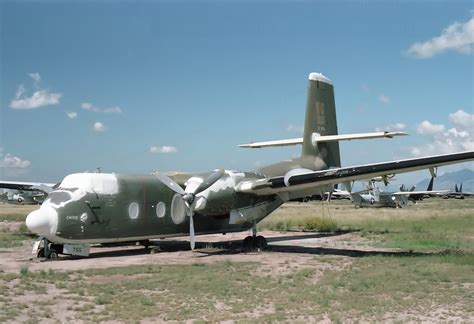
(101, 183)
(57, 197)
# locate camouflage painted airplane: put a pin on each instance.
(88, 208)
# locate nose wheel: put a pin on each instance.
(48, 251)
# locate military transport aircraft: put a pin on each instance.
(88, 208)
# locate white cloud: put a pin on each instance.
(163, 149)
(458, 37)
(39, 98)
(35, 76)
(13, 162)
(462, 119)
(397, 127)
(110, 110)
(427, 128)
(72, 114)
(99, 127)
(384, 99)
(295, 129)
(456, 139)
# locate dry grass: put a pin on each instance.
(432, 283)
(15, 213)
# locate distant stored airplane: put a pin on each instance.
(457, 193)
(89, 208)
(374, 197)
(27, 192)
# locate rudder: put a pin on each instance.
(321, 118)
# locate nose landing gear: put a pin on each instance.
(47, 250)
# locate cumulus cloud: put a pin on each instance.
(39, 98)
(397, 127)
(163, 149)
(13, 162)
(427, 128)
(384, 99)
(35, 76)
(295, 129)
(443, 140)
(99, 127)
(71, 114)
(458, 37)
(109, 110)
(462, 120)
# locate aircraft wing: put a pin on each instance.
(409, 193)
(276, 185)
(27, 186)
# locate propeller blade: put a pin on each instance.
(170, 183)
(209, 181)
(191, 230)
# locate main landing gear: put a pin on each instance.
(254, 243)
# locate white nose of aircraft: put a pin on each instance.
(42, 221)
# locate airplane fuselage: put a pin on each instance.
(379, 200)
(101, 208)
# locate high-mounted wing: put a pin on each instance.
(27, 186)
(301, 181)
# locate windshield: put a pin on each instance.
(102, 183)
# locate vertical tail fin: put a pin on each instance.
(321, 118)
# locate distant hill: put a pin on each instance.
(448, 180)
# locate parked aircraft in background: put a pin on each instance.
(26, 192)
(87, 208)
(415, 196)
(374, 197)
(457, 193)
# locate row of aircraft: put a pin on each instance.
(91, 208)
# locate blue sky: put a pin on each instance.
(178, 85)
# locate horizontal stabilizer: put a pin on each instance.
(285, 142)
(316, 138)
(350, 137)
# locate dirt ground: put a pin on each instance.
(287, 253)
(283, 247)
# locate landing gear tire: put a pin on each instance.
(40, 253)
(254, 244)
(247, 245)
(53, 255)
(260, 243)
